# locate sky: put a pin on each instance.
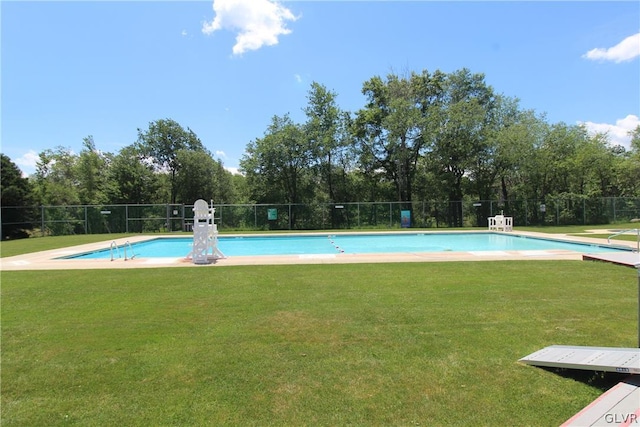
(224, 68)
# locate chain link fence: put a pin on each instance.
(19, 221)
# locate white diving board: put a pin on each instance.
(603, 359)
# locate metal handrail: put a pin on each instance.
(635, 230)
(125, 250)
(114, 244)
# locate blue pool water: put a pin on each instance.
(353, 244)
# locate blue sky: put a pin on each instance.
(223, 68)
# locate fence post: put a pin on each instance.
(86, 221)
(42, 220)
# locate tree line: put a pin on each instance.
(419, 136)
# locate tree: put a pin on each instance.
(133, 179)
(327, 131)
(56, 180)
(241, 191)
(15, 192)
(393, 129)
(91, 170)
(224, 187)
(516, 145)
(57, 185)
(635, 140)
(196, 176)
(559, 150)
(276, 166)
(594, 165)
(467, 105)
(160, 145)
(628, 170)
(495, 156)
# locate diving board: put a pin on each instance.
(603, 359)
(628, 258)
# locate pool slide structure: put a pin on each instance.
(205, 234)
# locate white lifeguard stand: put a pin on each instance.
(205, 234)
(501, 223)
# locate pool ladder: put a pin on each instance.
(634, 230)
(115, 248)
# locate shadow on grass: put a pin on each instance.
(600, 380)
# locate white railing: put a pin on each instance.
(127, 243)
(633, 230)
(501, 223)
(113, 246)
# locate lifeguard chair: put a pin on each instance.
(501, 223)
(205, 234)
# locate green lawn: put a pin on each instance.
(364, 344)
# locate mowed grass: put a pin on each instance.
(363, 344)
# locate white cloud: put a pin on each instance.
(233, 170)
(298, 78)
(618, 133)
(626, 50)
(27, 162)
(256, 22)
(221, 154)
(184, 33)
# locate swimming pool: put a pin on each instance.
(329, 244)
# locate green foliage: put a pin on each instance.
(393, 130)
(56, 180)
(463, 127)
(160, 145)
(446, 139)
(327, 129)
(195, 178)
(277, 166)
(628, 170)
(92, 172)
(133, 180)
(14, 191)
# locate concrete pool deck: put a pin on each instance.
(49, 260)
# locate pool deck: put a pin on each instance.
(48, 260)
